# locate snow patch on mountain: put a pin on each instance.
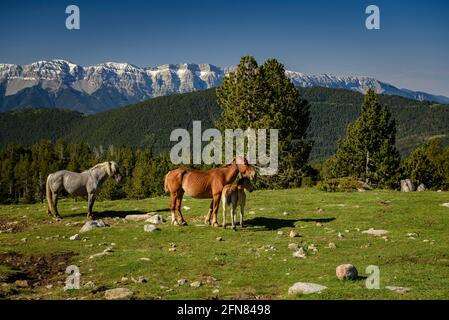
(132, 83)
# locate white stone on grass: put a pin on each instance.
(149, 228)
(398, 289)
(305, 288)
(139, 217)
(374, 232)
(117, 294)
(75, 237)
(93, 224)
(156, 219)
(196, 284)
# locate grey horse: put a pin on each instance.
(86, 183)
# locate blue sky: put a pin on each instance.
(411, 50)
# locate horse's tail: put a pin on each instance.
(51, 205)
(165, 182)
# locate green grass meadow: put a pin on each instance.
(249, 263)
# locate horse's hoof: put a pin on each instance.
(174, 222)
(224, 226)
(216, 224)
(183, 223)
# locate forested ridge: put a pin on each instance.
(149, 123)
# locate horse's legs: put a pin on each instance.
(234, 214)
(172, 208)
(178, 207)
(224, 213)
(54, 198)
(209, 213)
(216, 203)
(91, 200)
(242, 210)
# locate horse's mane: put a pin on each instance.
(100, 165)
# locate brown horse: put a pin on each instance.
(203, 184)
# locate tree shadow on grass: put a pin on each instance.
(275, 223)
(270, 223)
(112, 213)
(321, 220)
(123, 214)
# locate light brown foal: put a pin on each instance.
(234, 196)
(203, 184)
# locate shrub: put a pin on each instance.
(347, 184)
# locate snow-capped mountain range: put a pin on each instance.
(62, 84)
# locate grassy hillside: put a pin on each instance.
(253, 262)
(149, 123)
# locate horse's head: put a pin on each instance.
(245, 183)
(245, 169)
(114, 171)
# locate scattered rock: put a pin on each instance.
(280, 233)
(346, 272)
(139, 217)
(140, 279)
(445, 204)
(50, 286)
(219, 239)
(299, 253)
(251, 212)
(144, 259)
(216, 291)
(173, 249)
(89, 284)
(156, 219)
(117, 293)
(331, 245)
(293, 246)
(319, 224)
(186, 208)
(75, 237)
(340, 236)
(149, 228)
(24, 239)
(422, 187)
(305, 288)
(293, 234)
(22, 283)
(89, 225)
(407, 185)
(182, 282)
(375, 232)
(196, 284)
(285, 213)
(105, 252)
(363, 186)
(412, 234)
(398, 289)
(312, 248)
(320, 210)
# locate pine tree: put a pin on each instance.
(368, 151)
(263, 97)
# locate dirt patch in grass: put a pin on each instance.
(12, 226)
(37, 270)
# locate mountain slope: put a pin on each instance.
(62, 84)
(149, 123)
